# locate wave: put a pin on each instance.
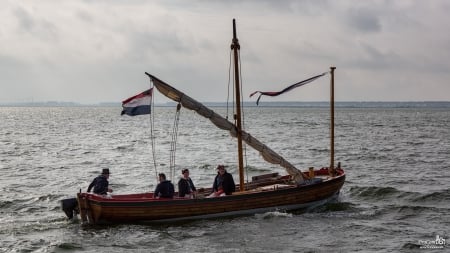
(410, 246)
(389, 203)
(6, 204)
(413, 210)
(251, 168)
(392, 194)
(69, 246)
(31, 205)
(380, 193)
(336, 207)
(404, 214)
(437, 196)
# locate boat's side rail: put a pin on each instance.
(263, 184)
(128, 197)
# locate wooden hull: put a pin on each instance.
(138, 208)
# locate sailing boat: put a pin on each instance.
(269, 192)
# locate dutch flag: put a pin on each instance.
(139, 104)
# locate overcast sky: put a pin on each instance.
(97, 51)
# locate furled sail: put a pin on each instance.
(268, 154)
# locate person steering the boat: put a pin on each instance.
(186, 187)
(165, 188)
(100, 183)
(223, 183)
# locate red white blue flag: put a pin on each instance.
(139, 104)
(293, 86)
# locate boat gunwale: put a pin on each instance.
(122, 201)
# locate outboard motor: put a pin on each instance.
(69, 206)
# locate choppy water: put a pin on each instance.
(397, 191)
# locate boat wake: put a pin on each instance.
(274, 214)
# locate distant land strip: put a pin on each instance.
(341, 104)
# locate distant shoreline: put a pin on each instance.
(344, 104)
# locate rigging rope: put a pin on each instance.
(173, 144)
(152, 136)
(228, 90)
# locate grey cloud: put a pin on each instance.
(372, 58)
(25, 20)
(85, 16)
(364, 20)
(44, 29)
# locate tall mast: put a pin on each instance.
(331, 169)
(235, 47)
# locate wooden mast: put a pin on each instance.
(331, 169)
(235, 47)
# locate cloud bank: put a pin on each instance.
(98, 51)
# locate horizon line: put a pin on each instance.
(247, 103)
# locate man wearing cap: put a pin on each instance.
(101, 183)
(223, 183)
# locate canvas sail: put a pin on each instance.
(268, 154)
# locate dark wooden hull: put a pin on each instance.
(137, 208)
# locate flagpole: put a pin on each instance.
(331, 169)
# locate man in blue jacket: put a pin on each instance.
(165, 188)
(100, 183)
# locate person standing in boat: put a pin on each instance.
(165, 188)
(223, 183)
(186, 187)
(100, 183)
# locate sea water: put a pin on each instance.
(396, 196)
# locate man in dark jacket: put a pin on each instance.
(165, 188)
(186, 187)
(223, 183)
(101, 183)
